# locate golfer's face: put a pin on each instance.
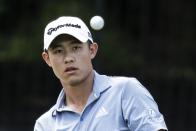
(71, 59)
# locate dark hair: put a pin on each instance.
(62, 37)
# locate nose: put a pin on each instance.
(69, 59)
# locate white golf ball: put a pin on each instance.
(97, 22)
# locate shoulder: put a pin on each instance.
(125, 82)
(48, 114)
(130, 86)
(45, 121)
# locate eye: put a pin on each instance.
(58, 51)
(76, 48)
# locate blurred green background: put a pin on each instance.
(152, 40)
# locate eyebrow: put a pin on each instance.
(75, 41)
(55, 46)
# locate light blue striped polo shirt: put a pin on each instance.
(115, 104)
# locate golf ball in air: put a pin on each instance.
(97, 22)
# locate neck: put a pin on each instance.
(77, 96)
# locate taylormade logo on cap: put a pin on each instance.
(60, 26)
(73, 26)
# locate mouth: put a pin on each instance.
(70, 69)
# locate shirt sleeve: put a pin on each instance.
(45, 122)
(140, 111)
(38, 127)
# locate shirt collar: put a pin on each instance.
(101, 84)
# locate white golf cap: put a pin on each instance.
(73, 26)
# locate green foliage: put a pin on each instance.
(23, 40)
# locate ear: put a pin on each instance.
(46, 58)
(93, 49)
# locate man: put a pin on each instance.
(89, 101)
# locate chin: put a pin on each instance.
(75, 82)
